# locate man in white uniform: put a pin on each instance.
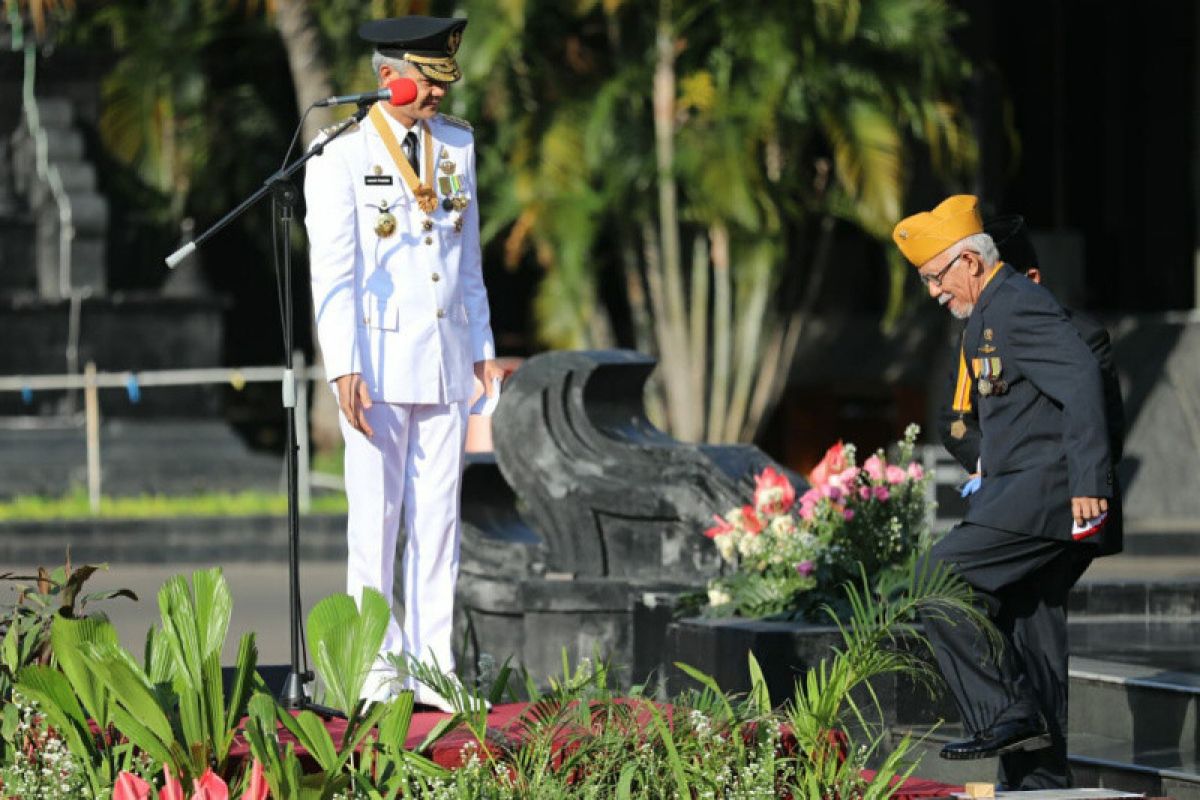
(403, 322)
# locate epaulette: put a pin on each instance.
(329, 129)
(457, 122)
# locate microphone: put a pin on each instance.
(398, 92)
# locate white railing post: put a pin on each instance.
(91, 404)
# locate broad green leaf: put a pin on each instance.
(70, 639)
(345, 642)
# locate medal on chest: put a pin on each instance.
(385, 223)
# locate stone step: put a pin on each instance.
(136, 457)
(1151, 599)
(1096, 760)
(1152, 712)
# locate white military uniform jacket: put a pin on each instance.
(408, 311)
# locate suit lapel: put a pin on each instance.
(974, 327)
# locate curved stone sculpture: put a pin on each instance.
(611, 495)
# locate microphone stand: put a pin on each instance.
(284, 193)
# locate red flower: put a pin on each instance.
(751, 522)
(833, 463)
(722, 527)
(773, 493)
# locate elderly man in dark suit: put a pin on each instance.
(1030, 620)
(1045, 467)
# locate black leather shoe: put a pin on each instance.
(1004, 737)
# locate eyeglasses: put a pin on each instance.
(936, 280)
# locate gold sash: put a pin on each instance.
(426, 197)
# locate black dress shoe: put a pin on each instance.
(1004, 737)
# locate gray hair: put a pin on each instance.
(379, 60)
(983, 244)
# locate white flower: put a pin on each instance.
(727, 546)
(783, 526)
(718, 596)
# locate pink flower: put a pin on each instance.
(805, 568)
(210, 787)
(722, 527)
(915, 471)
(806, 512)
(172, 789)
(832, 463)
(831, 491)
(882, 494)
(257, 788)
(848, 514)
(773, 493)
(874, 467)
(864, 492)
(894, 474)
(130, 787)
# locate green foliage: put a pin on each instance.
(27, 629)
(623, 133)
(577, 738)
(174, 711)
(345, 643)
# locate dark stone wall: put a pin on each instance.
(120, 332)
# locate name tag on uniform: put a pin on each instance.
(377, 180)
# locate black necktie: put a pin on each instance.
(410, 150)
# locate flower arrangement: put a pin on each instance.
(790, 556)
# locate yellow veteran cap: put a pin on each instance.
(922, 236)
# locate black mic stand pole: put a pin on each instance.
(284, 192)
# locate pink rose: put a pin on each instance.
(833, 492)
(864, 492)
(915, 471)
(848, 514)
(894, 474)
(882, 494)
(874, 468)
(805, 568)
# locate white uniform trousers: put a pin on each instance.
(411, 469)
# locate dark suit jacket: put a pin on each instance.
(1045, 439)
(966, 448)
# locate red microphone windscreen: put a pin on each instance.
(404, 91)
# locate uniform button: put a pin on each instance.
(436, 277)
(428, 240)
(441, 313)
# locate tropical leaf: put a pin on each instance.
(70, 639)
(345, 642)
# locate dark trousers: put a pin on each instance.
(1021, 583)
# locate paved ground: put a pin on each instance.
(260, 601)
(260, 594)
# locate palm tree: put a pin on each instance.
(702, 153)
